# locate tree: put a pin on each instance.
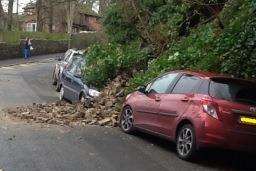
(10, 11)
(1, 8)
(71, 6)
(39, 12)
(50, 15)
(2, 17)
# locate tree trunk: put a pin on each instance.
(39, 11)
(50, 22)
(1, 8)
(70, 18)
(2, 17)
(10, 11)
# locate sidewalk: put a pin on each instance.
(10, 62)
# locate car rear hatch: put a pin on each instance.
(236, 100)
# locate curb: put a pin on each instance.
(29, 62)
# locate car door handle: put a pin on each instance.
(185, 99)
(158, 98)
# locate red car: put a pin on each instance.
(195, 110)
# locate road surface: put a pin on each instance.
(29, 147)
(26, 83)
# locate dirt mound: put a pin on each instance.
(102, 111)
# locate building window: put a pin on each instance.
(31, 27)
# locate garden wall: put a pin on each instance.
(41, 47)
(12, 50)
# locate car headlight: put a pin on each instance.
(94, 93)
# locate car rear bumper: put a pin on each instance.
(213, 133)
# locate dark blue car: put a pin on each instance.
(73, 88)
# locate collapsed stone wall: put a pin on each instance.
(104, 110)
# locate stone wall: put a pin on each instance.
(41, 47)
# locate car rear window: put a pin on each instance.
(234, 90)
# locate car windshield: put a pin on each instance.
(234, 90)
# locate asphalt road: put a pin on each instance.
(22, 84)
(29, 147)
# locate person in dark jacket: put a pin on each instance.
(27, 48)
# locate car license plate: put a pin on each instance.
(248, 120)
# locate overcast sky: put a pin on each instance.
(22, 3)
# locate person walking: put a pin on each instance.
(30, 48)
(27, 49)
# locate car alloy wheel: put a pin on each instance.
(82, 99)
(127, 120)
(61, 93)
(186, 142)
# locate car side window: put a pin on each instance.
(148, 87)
(162, 84)
(186, 84)
(79, 69)
(72, 69)
(203, 88)
(67, 53)
(67, 56)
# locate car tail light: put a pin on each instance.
(210, 107)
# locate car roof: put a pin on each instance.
(81, 52)
(202, 74)
(211, 75)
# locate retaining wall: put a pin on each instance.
(41, 47)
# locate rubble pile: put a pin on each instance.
(103, 111)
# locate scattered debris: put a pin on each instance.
(103, 111)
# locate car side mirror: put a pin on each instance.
(142, 89)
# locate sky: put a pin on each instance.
(22, 3)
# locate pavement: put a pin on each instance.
(29, 147)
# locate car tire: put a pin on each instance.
(54, 79)
(186, 142)
(127, 120)
(58, 86)
(61, 96)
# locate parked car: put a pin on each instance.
(195, 110)
(64, 62)
(72, 85)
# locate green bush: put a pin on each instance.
(118, 26)
(209, 48)
(104, 62)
